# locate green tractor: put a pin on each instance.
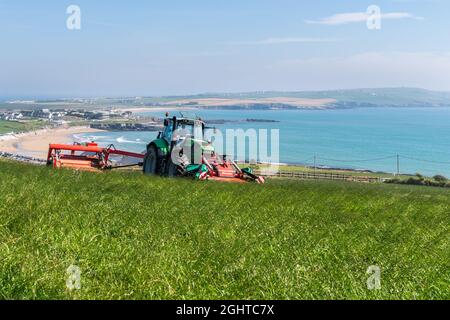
(181, 150)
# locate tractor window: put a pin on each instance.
(167, 134)
(198, 131)
(192, 130)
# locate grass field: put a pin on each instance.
(135, 237)
(14, 126)
(310, 169)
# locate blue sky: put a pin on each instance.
(137, 48)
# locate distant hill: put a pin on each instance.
(394, 97)
(330, 99)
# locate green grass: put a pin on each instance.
(15, 126)
(136, 237)
(306, 169)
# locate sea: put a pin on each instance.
(408, 140)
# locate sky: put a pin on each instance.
(176, 47)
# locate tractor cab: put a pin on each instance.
(176, 129)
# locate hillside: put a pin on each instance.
(335, 99)
(12, 126)
(330, 99)
(135, 237)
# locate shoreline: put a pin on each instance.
(33, 147)
(35, 144)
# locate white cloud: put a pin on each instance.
(288, 40)
(352, 17)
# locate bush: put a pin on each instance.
(416, 181)
(419, 180)
(440, 178)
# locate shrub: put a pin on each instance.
(440, 178)
(419, 180)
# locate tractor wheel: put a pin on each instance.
(172, 169)
(151, 161)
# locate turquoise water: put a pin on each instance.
(366, 138)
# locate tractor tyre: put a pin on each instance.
(172, 169)
(151, 161)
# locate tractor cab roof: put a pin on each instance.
(185, 116)
(189, 121)
(184, 120)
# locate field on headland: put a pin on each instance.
(136, 237)
(273, 101)
(12, 126)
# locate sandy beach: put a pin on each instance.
(35, 143)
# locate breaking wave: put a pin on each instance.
(123, 140)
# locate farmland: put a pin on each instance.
(15, 126)
(136, 237)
